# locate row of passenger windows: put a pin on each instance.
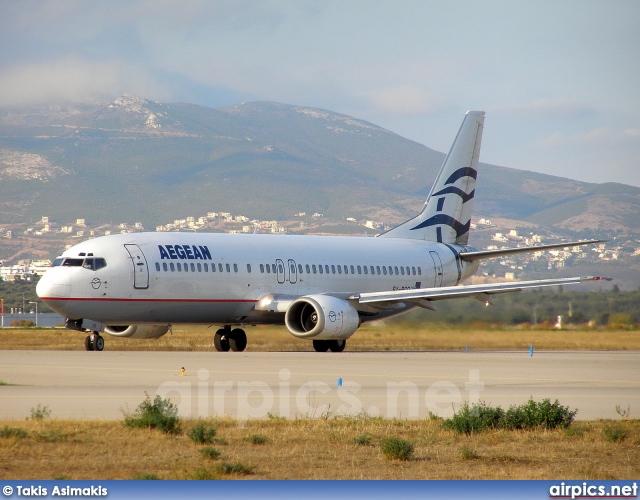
(199, 267)
(309, 268)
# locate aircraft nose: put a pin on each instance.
(55, 284)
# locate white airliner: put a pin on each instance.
(321, 288)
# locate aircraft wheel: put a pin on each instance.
(238, 340)
(98, 342)
(321, 345)
(337, 345)
(88, 344)
(221, 341)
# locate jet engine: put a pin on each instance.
(321, 317)
(137, 331)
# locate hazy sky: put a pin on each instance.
(559, 80)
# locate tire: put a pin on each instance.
(88, 344)
(220, 341)
(98, 343)
(238, 340)
(337, 345)
(321, 345)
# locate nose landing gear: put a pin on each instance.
(94, 342)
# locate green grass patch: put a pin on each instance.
(257, 439)
(614, 433)
(8, 432)
(235, 468)
(202, 434)
(363, 440)
(469, 453)
(210, 452)
(396, 449)
(145, 476)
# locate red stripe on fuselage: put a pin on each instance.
(100, 299)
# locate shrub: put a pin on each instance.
(362, 439)
(614, 433)
(159, 414)
(396, 449)
(202, 434)
(257, 439)
(544, 414)
(237, 468)
(210, 452)
(468, 454)
(12, 432)
(479, 417)
(475, 418)
(40, 412)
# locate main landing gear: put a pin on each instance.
(226, 339)
(94, 342)
(332, 345)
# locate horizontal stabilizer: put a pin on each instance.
(490, 254)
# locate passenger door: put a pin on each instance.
(140, 267)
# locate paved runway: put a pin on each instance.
(101, 385)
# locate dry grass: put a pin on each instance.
(316, 449)
(393, 336)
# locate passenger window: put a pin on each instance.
(307, 268)
(179, 266)
(280, 268)
(172, 267)
(235, 268)
(220, 267)
(413, 270)
(339, 270)
(268, 269)
(313, 268)
(384, 270)
(273, 268)
(320, 268)
(199, 267)
(396, 269)
(359, 270)
(248, 268)
(353, 270)
(157, 266)
(300, 268)
(164, 266)
(419, 271)
(378, 270)
(228, 268)
(206, 267)
(193, 267)
(402, 270)
(262, 268)
(326, 268)
(186, 267)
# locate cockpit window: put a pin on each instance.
(94, 263)
(57, 262)
(72, 262)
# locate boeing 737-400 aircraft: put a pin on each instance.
(320, 287)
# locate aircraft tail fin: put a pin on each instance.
(446, 215)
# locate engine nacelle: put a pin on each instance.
(137, 331)
(321, 317)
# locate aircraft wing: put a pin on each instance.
(423, 296)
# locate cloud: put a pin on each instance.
(550, 109)
(405, 100)
(75, 79)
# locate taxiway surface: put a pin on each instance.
(103, 385)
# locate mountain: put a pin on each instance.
(137, 160)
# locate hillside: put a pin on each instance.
(136, 160)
